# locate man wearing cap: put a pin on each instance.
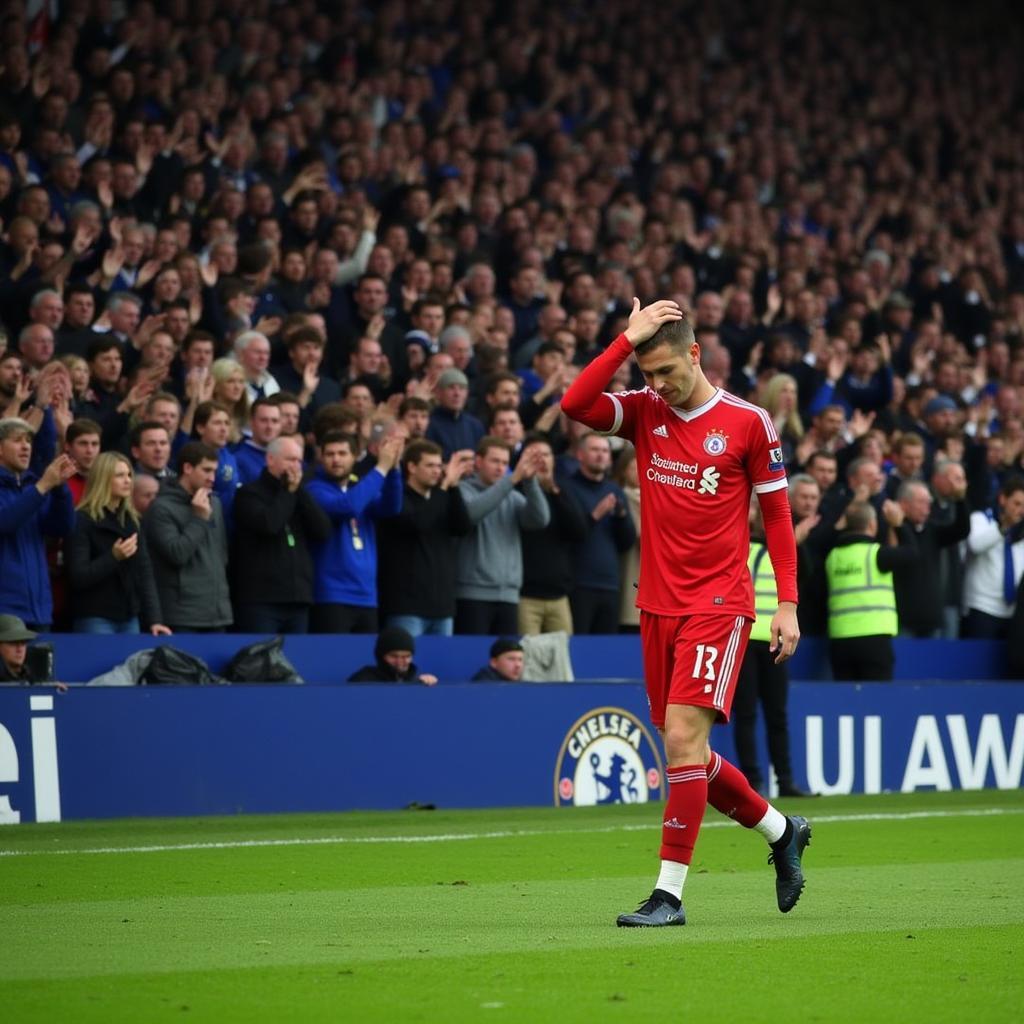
(33, 502)
(14, 638)
(506, 664)
(451, 426)
(394, 650)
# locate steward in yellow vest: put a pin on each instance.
(861, 598)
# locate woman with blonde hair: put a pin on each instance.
(229, 390)
(78, 370)
(781, 400)
(111, 586)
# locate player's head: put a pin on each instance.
(670, 362)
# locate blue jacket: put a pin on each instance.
(597, 559)
(345, 569)
(250, 460)
(226, 482)
(453, 433)
(25, 516)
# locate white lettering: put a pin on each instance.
(990, 750)
(815, 757)
(633, 739)
(676, 467)
(8, 773)
(926, 745)
(872, 754)
(672, 480)
(45, 775)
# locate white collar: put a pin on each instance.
(692, 414)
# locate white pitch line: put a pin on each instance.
(446, 837)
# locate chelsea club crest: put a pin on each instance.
(716, 441)
(608, 757)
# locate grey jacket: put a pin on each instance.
(190, 558)
(490, 557)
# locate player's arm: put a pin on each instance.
(586, 400)
(778, 532)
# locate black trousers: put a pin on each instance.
(342, 618)
(862, 659)
(594, 611)
(272, 618)
(762, 682)
(497, 618)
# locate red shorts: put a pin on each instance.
(692, 659)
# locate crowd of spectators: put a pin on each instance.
(290, 293)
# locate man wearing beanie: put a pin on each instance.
(506, 664)
(450, 425)
(394, 650)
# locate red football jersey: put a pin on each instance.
(697, 469)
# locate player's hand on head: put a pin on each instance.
(644, 323)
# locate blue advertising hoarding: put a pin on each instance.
(153, 751)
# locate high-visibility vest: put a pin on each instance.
(766, 602)
(861, 598)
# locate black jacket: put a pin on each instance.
(101, 585)
(548, 553)
(416, 553)
(382, 672)
(275, 530)
(919, 592)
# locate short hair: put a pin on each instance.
(102, 344)
(822, 453)
(197, 334)
(413, 403)
(1011, 485)
(803, 478)
(333, 416)
(498, 409)
(489, 441)
(205, 411)
(908, 440)
(340, 437)
(677, 334)
(14, 426)
(43, 293)
(285, 398)
(195, 452)
(349, 385)
(858, 464)
(162, 396)
(260, 402)
(279, 442)
(859, 516)
(246, 338)
(137, 431)
(305, 333)
(547, 347)
(499, 378)
(82, 427)
(118, 299)
(907, 488)
(415, 450)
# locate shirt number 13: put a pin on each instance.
(707, 655)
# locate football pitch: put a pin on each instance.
(914, 911)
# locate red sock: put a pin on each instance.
(730, 793)
(687, 798)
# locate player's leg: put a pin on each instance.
(658, 635)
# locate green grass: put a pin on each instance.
(903, 919)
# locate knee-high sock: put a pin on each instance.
(687, 798)
(730, 793)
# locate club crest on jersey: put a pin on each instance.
(608, 756)
(716, 441)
